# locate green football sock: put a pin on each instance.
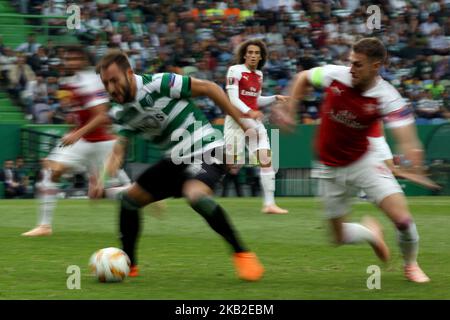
(217, 219)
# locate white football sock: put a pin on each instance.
(114, 192)
(123, 177)
(120, 179)
(117, 185)
(408, 241)
(47, 202)
(356, 233)
(267, 179)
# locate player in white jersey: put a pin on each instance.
(244, 83)
(86, 147)
(356, 98)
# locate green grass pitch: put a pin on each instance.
(181, 258)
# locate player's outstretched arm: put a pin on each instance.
(266, 100)
(214, 92)
(286, 119)
(297, 91)
(409, 144)
(99, 118)
(115, 159)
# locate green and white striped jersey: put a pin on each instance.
(163, 114)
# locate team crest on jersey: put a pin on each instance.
(370, 108)
(147, 101)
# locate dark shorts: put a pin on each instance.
(166, 179)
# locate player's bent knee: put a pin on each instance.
(194, 196)
(194, 190)
(128, 202)
(403, 224)
(407, 231)
(57, 170)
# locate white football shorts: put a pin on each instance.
(83, 155)
(338, 185)
(235, 138)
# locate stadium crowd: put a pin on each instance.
(198, 38)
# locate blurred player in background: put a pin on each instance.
(244, 82)
(157, 107)
(87, 145)
(356, 98)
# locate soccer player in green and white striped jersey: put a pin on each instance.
(157, 107)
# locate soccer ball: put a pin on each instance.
(110, 265)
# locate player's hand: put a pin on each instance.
(281, 98)
(70, 138)
(282, 119)
(417, 178)
(255, 115)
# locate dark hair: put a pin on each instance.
(373, 48)
(114, 56)
(76, 49)
(242, 50)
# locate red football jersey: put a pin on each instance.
(87, 91)
(248, 82)
(376, 130)
(348, 116)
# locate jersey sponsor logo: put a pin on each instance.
(347, 118)
(249, 93)
(148, 122)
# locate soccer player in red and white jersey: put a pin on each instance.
(356, 98)
(244, 82)
(87, 146)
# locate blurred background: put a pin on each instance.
(198, 38)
